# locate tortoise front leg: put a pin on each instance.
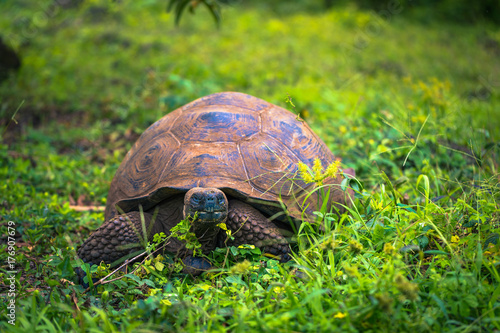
(104, 244)
(250, 226)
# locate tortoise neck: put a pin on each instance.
(207, 235)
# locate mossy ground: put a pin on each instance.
(413, 107)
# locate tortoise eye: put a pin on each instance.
(195, 199)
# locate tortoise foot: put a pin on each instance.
(195, 265)
(250, 226)
(115, 239)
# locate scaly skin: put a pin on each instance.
(247, 224)
(104, 244)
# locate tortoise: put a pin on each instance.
(229, 157)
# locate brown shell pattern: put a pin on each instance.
(231, 141)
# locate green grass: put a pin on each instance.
(413, 107)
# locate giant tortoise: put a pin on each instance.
(228, 157)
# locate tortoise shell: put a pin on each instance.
(238, 143)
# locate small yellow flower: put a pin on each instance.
(278, 290)
(342, 129)
(332, 169)
(340, 315)
(317, 169)
(304, 173)
(317, 175)
(455, 239)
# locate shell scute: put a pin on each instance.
(270, 165)
(296, 135)
(141, 170)
(202, 162)
(213, 124)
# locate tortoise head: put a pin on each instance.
(210, 204)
